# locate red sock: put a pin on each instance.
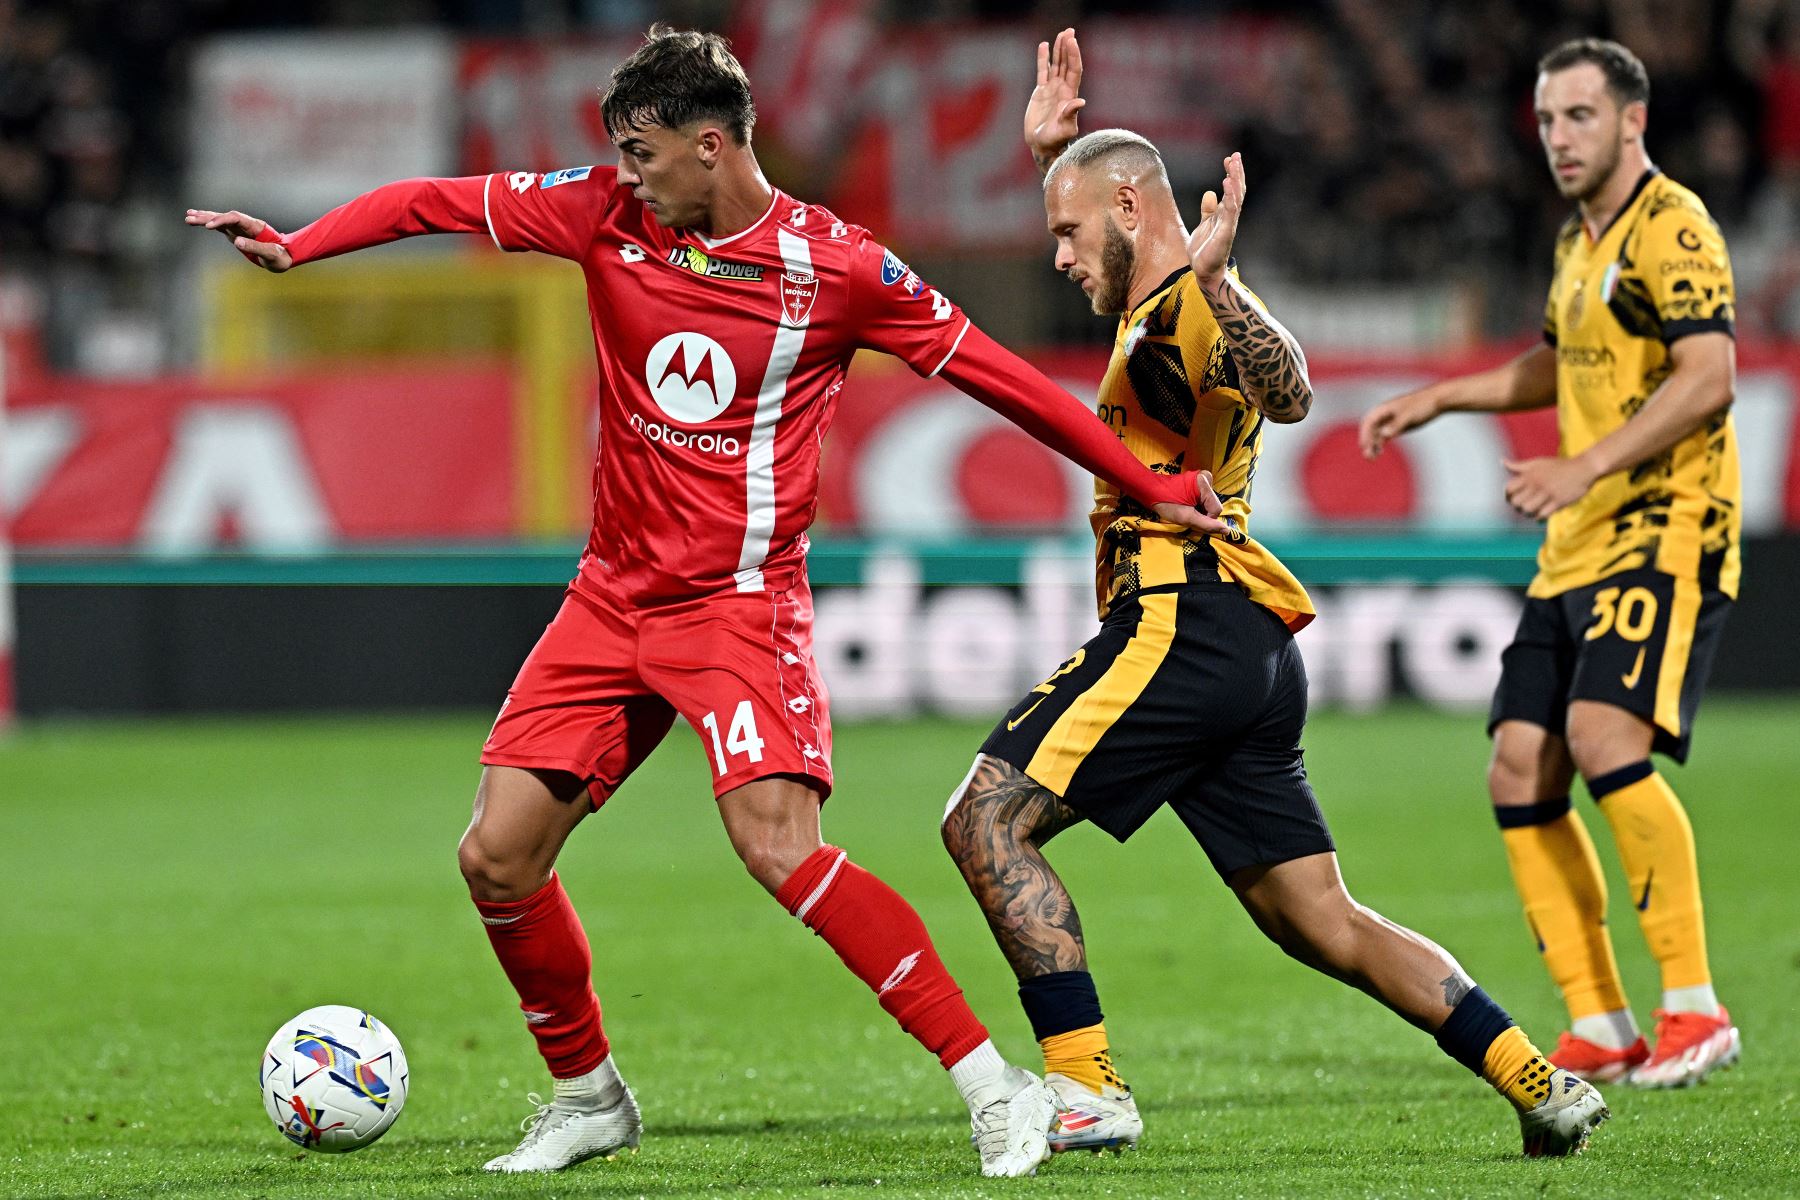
(542, 948)
(884, 943)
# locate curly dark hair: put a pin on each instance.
(676, 77)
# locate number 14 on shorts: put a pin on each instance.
(740, 738)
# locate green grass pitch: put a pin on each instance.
(175, 890)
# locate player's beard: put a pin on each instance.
(1117, 257)
(1591, 182)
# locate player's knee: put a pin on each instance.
(1604, 740)
(1319, 932)
(770, 863)
(1512, 776)
(492, 875)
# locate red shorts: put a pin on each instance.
(605, 682)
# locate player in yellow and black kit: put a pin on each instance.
(1193, 693)
(1638, 568)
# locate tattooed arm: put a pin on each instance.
(1271, 367)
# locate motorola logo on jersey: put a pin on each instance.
(691, 377)
(668, 435)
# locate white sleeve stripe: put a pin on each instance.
(953, 345)
(487, 214)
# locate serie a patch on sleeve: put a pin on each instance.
(566, 175)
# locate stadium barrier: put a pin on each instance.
(937, 627)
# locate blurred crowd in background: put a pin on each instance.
(1399, 144)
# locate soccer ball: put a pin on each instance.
(333, 1079)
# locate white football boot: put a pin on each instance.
(1012, 1133)
(562, 1134)
(1560, 1124)
(1090, 1120)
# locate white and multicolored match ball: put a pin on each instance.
(333, 1079)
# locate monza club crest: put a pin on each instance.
(797, 295)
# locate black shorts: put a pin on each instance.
(1190, 696)
(1641, 640)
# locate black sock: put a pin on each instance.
(1059, 1002)
(1471, 1028)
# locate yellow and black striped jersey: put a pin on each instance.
(1655, 275)
(1170, 393)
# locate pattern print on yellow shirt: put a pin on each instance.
(1657, 274)
(1170, 392)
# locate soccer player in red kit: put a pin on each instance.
(725, 315)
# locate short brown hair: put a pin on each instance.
(1626, 78)
(676, 77)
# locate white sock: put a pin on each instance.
(1615, 1030)
(600, 1088)
(981, 1077)
(1698, 999)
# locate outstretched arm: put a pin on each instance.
(1527, 381)
(396, 210)
(1271, 366)
(1016, 390)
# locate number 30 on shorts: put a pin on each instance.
(741, 738)
(1631, 612)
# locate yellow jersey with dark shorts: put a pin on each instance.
(1634, 579)
(1193, 694)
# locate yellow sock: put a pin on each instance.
(1516, 1069)
(1084, 1056)
(1558, 876)
(1656, 844)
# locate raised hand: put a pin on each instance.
(244, 232)
(1050, 122)
(1209, 245)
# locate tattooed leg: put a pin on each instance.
(995, 831)
(1303, 907)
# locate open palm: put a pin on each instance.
(1050, 114)
(1209, 245)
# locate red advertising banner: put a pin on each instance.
(283, 464)
(908, 455)
(321, 459)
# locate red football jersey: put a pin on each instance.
(720, 367)
(720, 362)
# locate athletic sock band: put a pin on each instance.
(1059, 1003)
(1519, 816)
(1602, 786)
(1471, 1028)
